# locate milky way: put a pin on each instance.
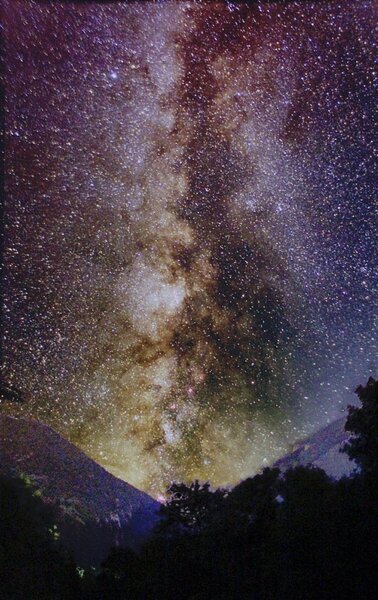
(190, 247)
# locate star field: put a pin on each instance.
(190, 227)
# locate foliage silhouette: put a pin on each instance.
(362, 422)
(298, 535)
(32, 563)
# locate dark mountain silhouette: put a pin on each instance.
(97, 511)
(321, 449)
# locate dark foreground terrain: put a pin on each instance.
(291, 532)
(95, 511)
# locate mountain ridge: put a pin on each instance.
(321, 449)
(90, 500)
(97, 510)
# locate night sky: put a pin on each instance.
(190, 227)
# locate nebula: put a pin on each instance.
(189, 255)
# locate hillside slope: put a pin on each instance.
(97, 510)
(321, 449)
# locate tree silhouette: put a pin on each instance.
(298, 535)
(32, 563)
(189, 508)
(362, 422)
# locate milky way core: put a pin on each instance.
(190, 256)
